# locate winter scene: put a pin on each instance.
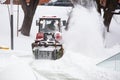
(60, 40)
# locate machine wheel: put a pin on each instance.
(54, 55)
(60, 53)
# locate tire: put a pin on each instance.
(54, 55)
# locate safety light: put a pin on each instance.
(39, 36)
(58, 36)
(41, 22)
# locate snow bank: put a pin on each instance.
(72, 66)
(12, 68)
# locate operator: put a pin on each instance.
(51, 26)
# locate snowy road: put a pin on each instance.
(22, 67)
(39, 70)
(55, 75)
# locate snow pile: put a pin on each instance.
(69, 67)
(11, 68)
(72, 66)
(2, 1)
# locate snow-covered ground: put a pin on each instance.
(83, 45)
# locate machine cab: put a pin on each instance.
(47, 25)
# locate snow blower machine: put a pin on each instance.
(48, 42)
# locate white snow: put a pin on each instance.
(2, 1)
(83, 45)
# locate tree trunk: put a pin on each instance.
(27, 22)
(110, 6)
(107, 19)
(98, 6)
(29, 11)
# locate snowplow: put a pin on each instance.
(48, 42)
